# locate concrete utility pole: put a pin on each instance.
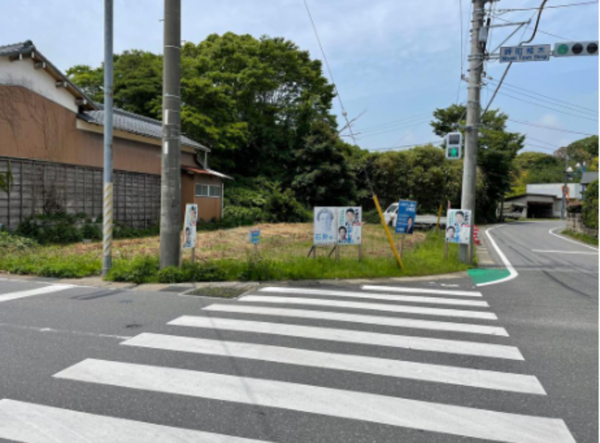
(472, 129)
(107, 207)
(170, 202)
(563, 207)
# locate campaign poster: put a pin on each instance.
(349, 225)
(458, 226)
(254, 236)
(405, 220)
(189, 226)
(325, 222)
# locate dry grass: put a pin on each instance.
(278, 241)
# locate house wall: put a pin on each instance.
(34, 127)
(22, 73)
(208, 207)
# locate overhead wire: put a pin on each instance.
(535, 125)
(548, 107)
(569, 5)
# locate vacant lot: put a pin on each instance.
(282, 241)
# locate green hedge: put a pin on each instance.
(590, 206)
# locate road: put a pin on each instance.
(429, 361)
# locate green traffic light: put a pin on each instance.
(562, 49)
(453, 152)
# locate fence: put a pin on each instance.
(41, 187)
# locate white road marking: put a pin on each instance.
(370, 365)
(422, 290)
(31, 423)
(354, 337)
(544, 251)
(393, 411)
(369, 306)
(512, 272)
(388, 297)
(33, 292)
(360, 318)
(569, 240)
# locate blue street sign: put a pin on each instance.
(405, 220)
(534, 53)
(255, 236)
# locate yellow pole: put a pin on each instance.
(437, 226)
(387, 232)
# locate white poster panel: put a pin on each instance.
(458, 227)
(349, 225)
(189, 226)
(325, 223)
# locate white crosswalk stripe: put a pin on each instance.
(377, 307)
(422, 290)
(374, 296)
(394, 411)
(33, 292)
(359, 318)
(327, 360)
(357, 337)
(370, 306)
(30, 423)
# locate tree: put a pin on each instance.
(322, 175)
(245, 98)
(497, 149)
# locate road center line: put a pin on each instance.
(33, 292)
(365, 407)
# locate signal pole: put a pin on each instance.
(472, 128)
(170, 201)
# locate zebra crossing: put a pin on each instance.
(398, 319)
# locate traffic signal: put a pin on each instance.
(574, 49)
(454, 146)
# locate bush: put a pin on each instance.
(52, 229)
(233, 217)
(574, 208)
(141, 269)
(13, 243)
(204, 272)
(91, 231)
(372, 216)
(121, 231)
(172, 274)
(590, 206)
(51, 263)
(283, 207)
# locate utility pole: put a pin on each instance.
(472, 128)
(563, 207)
(170, 202)
(107, 207)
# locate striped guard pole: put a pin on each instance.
(107, 228)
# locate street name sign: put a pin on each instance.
(534, 53)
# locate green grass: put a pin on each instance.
(425, 258)
(584, 238)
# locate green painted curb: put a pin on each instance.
(480, 276)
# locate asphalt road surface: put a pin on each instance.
(433, 361)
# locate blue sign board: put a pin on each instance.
(535, 53)
(255, 236)
(405, 219)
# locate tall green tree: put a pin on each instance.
(497, 150)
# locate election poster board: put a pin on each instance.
(189, 226)
(458, 226)
(405, 220)
(325, 221)
(349, 225)
(337, 225)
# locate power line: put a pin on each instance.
(541, 141)
(548, 107)
(502, 11)
(337, 92)
(435, 142)
(550, 128)
(544, 148)
(547, 98)
(409, 125)
(539, 30)
(393, 122)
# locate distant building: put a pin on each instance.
(555, 189)
(586, 179)
(51, 134)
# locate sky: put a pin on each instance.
(394, 61)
